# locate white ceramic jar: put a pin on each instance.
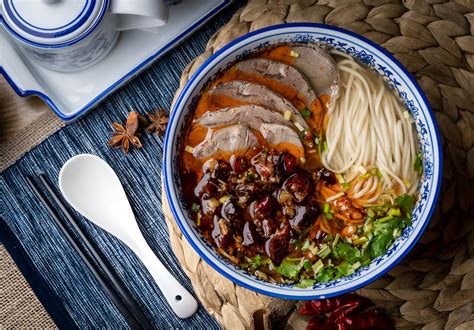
(71, 35)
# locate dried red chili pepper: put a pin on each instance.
(315, 323)
(317, 307)
(342, 312)
(374, 318)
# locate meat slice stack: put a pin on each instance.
(273, 99)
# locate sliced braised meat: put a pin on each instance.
(280, 72)
(250, 115)
(253, 93)
(283, 138)
(288, 81)
(235, 139)
(319, 67)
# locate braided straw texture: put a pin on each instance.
(433, 287)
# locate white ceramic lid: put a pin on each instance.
(52, 22)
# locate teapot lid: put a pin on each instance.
(50, 23)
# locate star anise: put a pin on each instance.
(122, 136)
(159, 120)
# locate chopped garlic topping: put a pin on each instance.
(298, 126)
(294, 54)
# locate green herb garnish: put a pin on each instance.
(306, 245)
(305, 283)
(306, 113)
(345, 251)
(326, 274)
(406, 203)
(195, 207)
(418, 164)
(290, 267)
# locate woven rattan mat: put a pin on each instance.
(433, 287)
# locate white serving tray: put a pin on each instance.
(70, 95)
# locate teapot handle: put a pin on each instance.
(139, 14)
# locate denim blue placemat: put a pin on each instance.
(56, 273)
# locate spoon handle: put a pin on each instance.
(180, 300)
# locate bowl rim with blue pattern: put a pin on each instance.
(377, 59)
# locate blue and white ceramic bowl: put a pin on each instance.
(375, 58)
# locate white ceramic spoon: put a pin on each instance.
(91, 186)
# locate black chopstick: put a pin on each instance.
(128, 308)
(116, 283)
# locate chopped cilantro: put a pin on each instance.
(290, 268)
(345, 251)
(256, 262)
(307, 264)
(195, 207)
(345, 268)
(406, 203)
(305, 283)
(379, 244)
(326, 274)
(418, 164)
(306, 113)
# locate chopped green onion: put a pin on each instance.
(317, 267)
(195, 207)
(395, 212)
(365, 176)
(340, 178)
(306, 245)
(345, 185)
(189, 149)
(324, 252)
(325, 146)
(249, 178)
(385, 219)
(287, 115)
(329, 215)
(306, 113)
(336, 239)
(359, 241)
(326, 208)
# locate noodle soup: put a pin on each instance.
(300, 165)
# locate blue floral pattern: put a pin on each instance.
(372, 61)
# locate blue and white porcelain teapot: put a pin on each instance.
(71, 35)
